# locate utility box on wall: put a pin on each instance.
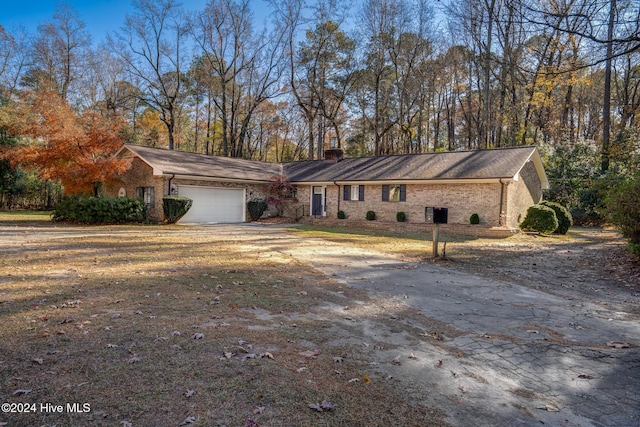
(428, 215)
(435, 215)
(440, 215)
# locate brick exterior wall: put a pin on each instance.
(462, 200)
(521, 194)
(140, 175)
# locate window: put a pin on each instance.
(394, 193)
(147, 194)
(353, 192)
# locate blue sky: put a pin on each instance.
(100, 16)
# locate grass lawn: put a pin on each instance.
(25, 216)
(162, 325)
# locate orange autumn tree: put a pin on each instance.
(76, 149)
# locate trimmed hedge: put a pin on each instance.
(565, 220)
(541, 219)
(623, 210)
(100, 210)
(401, 217)
(175, 207)
(474, 219)
(341, 215)
(371, 215)
(256, 208)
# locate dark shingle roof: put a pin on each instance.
(480, 164)
(450, 165)
(168, 162)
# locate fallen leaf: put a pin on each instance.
(134, 359)
(311, 354)
(413, 356)
(111, 346)
(188, 420)
(353, 380)
(396, 360)
(250, 356)
(189, 393)
(366, 379)
(175, 333)
(304, 368)
(21, 391)
(125, 424)
(549, 407)
(38, 360)
(327, 406)
(259, 410)
(338, 359)
(315, 406)
(228, 355)
(176, 347)
(198, 336)
(267, 355)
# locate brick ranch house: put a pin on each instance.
(499, 185)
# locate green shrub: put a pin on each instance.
(623, 210)
(371, 215)
(565, 220)
(175, 207)
(474, 219)
(100, 210)
(341, 215)
(541, 219)
(256, 208)
(401, 217)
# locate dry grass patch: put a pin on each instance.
(163, 325)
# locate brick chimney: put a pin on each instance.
(334, 154)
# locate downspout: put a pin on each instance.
(502, 185)
(336, 184)
(169, 189)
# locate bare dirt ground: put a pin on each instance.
(590, 262)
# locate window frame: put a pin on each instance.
(401, 193)
(147, 195)
(353, 193)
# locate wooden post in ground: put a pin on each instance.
(435, 240)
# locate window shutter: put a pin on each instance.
(152, 196)
(139, 192)
(346, 192)
(361, 193)
(403, 193)
(385, 193)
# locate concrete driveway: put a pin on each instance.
(521, 357)
(510, 355)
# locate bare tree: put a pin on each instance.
(151, 43)
(13, 60)
(60, 51)
(244, 65)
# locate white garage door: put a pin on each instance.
(214, 204)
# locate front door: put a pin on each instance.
(316, 201)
